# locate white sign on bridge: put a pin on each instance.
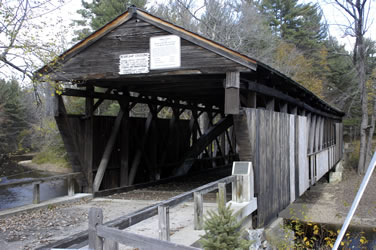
(164, 52)
(134, 63)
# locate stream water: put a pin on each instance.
(23, 195)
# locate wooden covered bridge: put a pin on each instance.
(202, 106)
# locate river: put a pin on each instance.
(19, 196)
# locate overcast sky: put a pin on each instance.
(61, 19)
(333, 16)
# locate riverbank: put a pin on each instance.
(49, 167)
(10, 167)
(329, 203)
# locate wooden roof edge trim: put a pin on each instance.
(93, 37)
(198, 39)
(267, 67)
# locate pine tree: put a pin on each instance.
(12, 115)
(222, 231)
(299, 24)
(97, 13)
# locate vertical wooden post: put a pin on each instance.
(252, 99)
(36, 193)
(124, 147)
(109, 244)
(294, 110)
(270, 104)
(284, 107)
(232, 97)
(164, 223)
(70, 186)
(198, 211)
(95, 218)
(222, 195)
(89, 140)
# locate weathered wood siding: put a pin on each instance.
(101, 59)
(269, 136)
(289, 154)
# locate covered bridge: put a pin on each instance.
(204, 106)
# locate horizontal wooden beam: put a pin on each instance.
(82, 93)
(268, 91)
(137, 240)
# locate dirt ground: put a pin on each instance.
(37, 228)
(330, 203)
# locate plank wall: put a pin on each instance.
(278, 145)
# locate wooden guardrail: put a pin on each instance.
(37, 181)
(112, 236)
(161, 208)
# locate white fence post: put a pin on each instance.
(164, 223)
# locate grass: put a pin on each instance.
(52, 155)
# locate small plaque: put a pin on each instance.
(240, 168)
(134, 63)
(164, 52)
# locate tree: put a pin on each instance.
(356, 12)
(299, 24)
(13, 117)
(222, 231)
(23, 48)
(97, 13)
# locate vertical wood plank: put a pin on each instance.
(232, 97)
(95, 218)
(292, 157)
(164, 223)
(309, 117)
(263, 192)
(124, 146)
(303, 161)
(89, 140)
